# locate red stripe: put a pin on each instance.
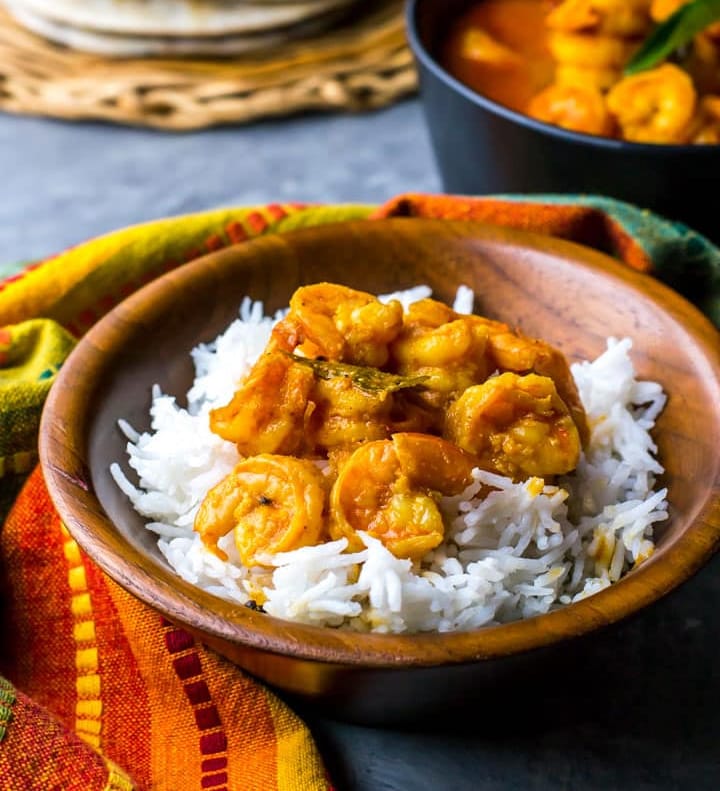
(210, 781)
(213, 743)
(107, 303)
(214, 242)
(276, 211)
(178, 640)
(207, 718)
(257, 222)
(235, 231)
(87, 317)
(214, 764)
(187, 666)
(14, 278)
(197, 692)
(6, 281)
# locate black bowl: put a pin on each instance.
(482, 147)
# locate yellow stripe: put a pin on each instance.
(17, 462)
(299, 767)
(81, 605)
(88, 706)
(88, 726)
(23, 460)
(86, 659)
(88, 709)
(88, 687)
(77, 580)
(72, 552)
(117, 779)
(84, 631)
(91, 739)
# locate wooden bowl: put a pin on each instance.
(570, 295)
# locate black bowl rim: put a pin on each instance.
(423, 55)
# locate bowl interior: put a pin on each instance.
(567, 294)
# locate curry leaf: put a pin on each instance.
(368, 379)
(674, 32)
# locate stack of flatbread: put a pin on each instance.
(139, 28)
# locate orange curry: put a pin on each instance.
(562, 63)
(360, 415)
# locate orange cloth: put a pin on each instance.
(129, 689)
(100, 692)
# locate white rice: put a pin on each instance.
(524, 549)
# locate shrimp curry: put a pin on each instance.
(359, 416)
(562, 62)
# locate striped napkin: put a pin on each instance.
(97, 690)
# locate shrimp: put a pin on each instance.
(446, 347)
(608, 17)
(707, 129)
(345, 415)
(389, 489)
(591, 50)
(660, 10)
(511, 350)
(478, 45)
(272, 503)
(516, 426)
(575, 107)
(267, 413)
(654, 106)
(339, 323)
(601, 79)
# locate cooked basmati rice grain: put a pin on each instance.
(464, 300)
(407, 296)
(523, 550)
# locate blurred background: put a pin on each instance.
(113, 113)
(117, 111)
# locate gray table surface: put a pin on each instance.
(644, 713)
(63, 183)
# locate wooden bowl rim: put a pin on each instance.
(205, 614)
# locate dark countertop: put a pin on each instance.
(642, 711)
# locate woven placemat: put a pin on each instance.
(361, 64)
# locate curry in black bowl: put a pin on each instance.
(574, 96)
